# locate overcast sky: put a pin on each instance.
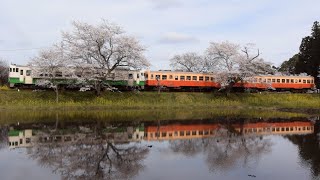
(165, 27)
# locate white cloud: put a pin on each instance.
(165, 4)
(174, 37)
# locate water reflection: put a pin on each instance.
(118, 150)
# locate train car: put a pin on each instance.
(181, 80)
(22, 76)
(278, 83)
(125, 78)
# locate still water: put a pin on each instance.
(220, 148)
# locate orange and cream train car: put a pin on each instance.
(274, 82)
(181, 80)
(190, 131)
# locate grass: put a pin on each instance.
(28, 106)
(26, 99)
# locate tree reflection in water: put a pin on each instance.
(226, 149)
(3, 136)
(89, 156)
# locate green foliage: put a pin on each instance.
(309, 55)
(289, 66)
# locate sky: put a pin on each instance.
(164, 27)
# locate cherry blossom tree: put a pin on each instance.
(51, 68)
(4, 73)
(101, 49)
(189, 62)
(234, 63)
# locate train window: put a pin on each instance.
(10, 69)
(146, 76)
(260, 79)
(299, 80)
(58, 74)
(211, 78)
(278, 80)
(17, 69)
(200, 78)
(311, 81)
(283, 80)
(304, 81)
(141, 74)
(207, 78)
(194, 78)
(182, 78)
(291, 80)
(269, 80)
(138, 76)
(181, 133)
(164, 77)
(188, 133)
(296, 81)
(28, 73)
(130, 76)
(151, 76)
(21, 72)
(200, 132)
(273, 80)
(13, 69)
(287, 80)
(164, 134)
(264, 80)
(189, 78)
(176, 78)
(176, 133)
(194, 133)
(170, 77)
(157, 77)
(308, 81)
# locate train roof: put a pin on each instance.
(179, 72)
(287, 76)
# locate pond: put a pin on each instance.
(207, 148)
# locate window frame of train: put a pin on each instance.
(206, 78)
(188, 78)
(273, 80)
(283, 80)
(176, 77)
(164, 77)
(304, 81)
(21, 72)
(28, 72)
(194, 78)
(182, 78)
(158, 76)
(200, 78)
(170, 76)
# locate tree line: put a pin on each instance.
(308, 58)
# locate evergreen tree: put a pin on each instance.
(309, 55)
(288, 67)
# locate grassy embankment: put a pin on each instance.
(151, 100)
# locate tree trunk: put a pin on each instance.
(57, 93)
(98, 88)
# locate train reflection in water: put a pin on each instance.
(153, 131)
